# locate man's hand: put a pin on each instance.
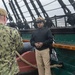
(39, 44)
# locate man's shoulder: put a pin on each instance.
(10, 29)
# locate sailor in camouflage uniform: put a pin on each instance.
(10, 41)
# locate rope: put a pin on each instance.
(52, 66)
(55, 65)
(25, 60)
(49, 3)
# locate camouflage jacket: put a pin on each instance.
(10, 41)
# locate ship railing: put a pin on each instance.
(64, 46)
(59, 45)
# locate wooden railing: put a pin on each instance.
(58, 45)
(26, 40)
(64, 46)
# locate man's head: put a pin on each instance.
(3, 15)
(40, 22)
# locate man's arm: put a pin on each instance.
(32, 40)
(49, 38)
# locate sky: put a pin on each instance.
(48, 8)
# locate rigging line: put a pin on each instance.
(49, 3)
(50, 10)
(43, 5)
(38, 8)
(24, 5)
(57, 8)
(47, 10)
(68, 5)
(53, 9)
(6, 2)
(19, 1)
(30, 2)
(46, 5)
(53, 2)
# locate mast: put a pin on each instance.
(70, 17)
(24, 20)
(49, 22)
(32, 16)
